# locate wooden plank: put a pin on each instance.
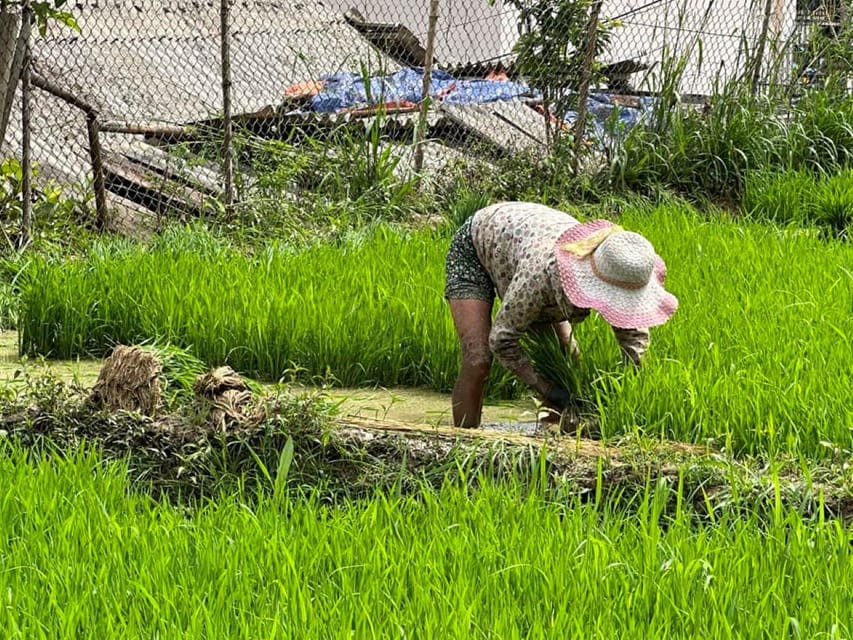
(200, 177)
(150, 189)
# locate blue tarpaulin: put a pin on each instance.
(601, 107)
(342, 91)
(349, 90)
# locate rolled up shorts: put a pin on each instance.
(465, 276)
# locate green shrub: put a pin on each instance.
(781, 197)
(801, 198)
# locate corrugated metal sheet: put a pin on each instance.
(509, 126)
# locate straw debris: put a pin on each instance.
(229, 399)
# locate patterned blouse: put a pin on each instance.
(515, 242)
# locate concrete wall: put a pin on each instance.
(467, 30)
(471, 30)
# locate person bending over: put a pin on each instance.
(549, 270)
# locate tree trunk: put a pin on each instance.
(586, 78)
(26, 159)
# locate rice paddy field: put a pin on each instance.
(756, 360)
(82, 558)
(755, 364)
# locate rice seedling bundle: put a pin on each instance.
(757, 357)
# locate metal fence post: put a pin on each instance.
(227, 125)
(420, 131)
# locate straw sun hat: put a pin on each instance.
(615, 272)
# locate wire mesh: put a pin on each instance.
(150, 73)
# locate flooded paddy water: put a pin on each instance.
(417, 406)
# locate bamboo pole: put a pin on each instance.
(98, 182)
(420, 131)
(227, 124)
(26, 159)
(586, 78)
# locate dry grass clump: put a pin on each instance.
(231, 401)
(132, 379)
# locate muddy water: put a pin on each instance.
(83, 372)
(428, 407)
(399, 404)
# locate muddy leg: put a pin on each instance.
(473, 321)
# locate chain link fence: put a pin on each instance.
(153, 108)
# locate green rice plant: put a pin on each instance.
(85, 558)
(802, 198)
(466, 205)
(756, 359)
(10, 269)
(781, 197)
(180, 369)
(833, 206)
(337, 309)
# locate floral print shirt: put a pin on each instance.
(515, 243)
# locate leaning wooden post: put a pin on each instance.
(420, 131)
(585, 79)
(26, 159)
(227, 125)
(93, 128)
(96, 157)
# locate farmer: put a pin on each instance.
(549, 271)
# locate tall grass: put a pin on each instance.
(85, 559)
(757, 357)
(709, 151)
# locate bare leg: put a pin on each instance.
(473, 321)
